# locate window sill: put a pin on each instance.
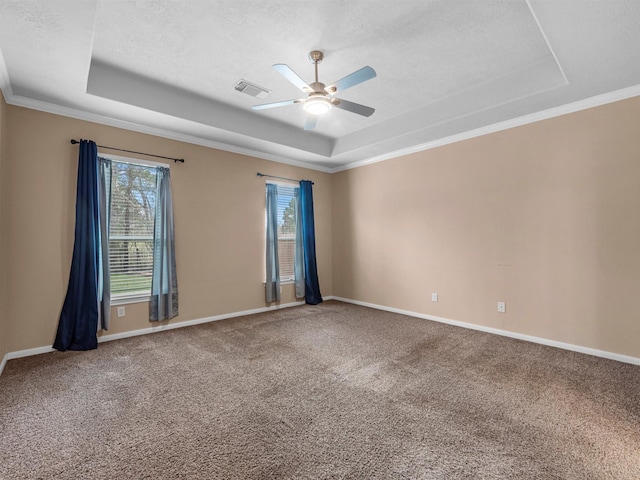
(126, 299)
(283, 282)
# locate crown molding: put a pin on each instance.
(585, 104)
(74, 113)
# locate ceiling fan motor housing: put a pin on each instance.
(318, 87)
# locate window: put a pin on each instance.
(133, 202)
(286, 231)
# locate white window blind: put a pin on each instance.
(133, 202)
(286, 231)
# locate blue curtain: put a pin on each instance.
(298, 253)
(82, 306)
(272, 282)
(164, 282)
(104, 284)
(312, 293)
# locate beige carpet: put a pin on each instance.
(320, 392)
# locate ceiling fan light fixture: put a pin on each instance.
(317, 105)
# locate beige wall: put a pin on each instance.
(4, 327)
(219, 215)
(544, 217)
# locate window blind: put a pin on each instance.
(286, 231)
(133, 201)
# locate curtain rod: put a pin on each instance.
(281, 178)
(181, 160)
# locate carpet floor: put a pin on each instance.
(333, 391)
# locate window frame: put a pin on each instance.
(127, 298)
(289, 280)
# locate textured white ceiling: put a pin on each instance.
(445, 69)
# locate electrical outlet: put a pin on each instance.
(502, 307)
(434, 297)
(121, 311)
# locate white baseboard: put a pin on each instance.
(30, 351)
(496, 331)
(505, 333)
(3, 363)
(197, 321)
(144, 331)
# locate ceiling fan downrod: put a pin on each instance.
(316, 56)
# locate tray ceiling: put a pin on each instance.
(445, 70)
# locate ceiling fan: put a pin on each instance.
(320, 97)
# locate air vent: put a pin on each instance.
(252, 89)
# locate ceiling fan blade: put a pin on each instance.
(275, 104)
(311, 122)
(354, 107)
(286, 72)
(362, 75)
